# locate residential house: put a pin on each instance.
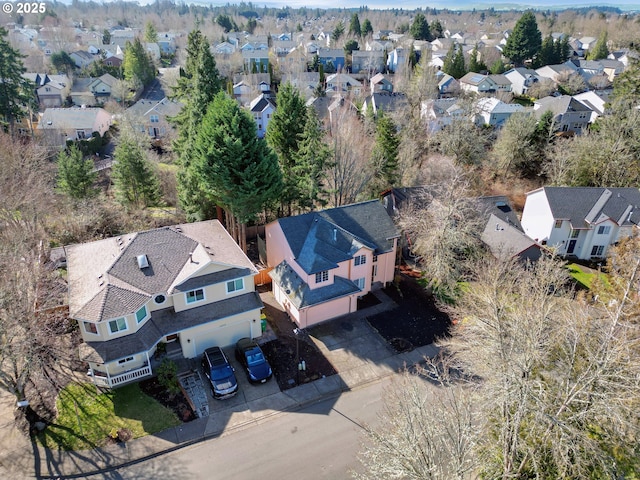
(283, 47)
(323, 261)
(477, 83)
(521, 79)
(294, 62)
(440, 113)
(262, 108)
(81, 94)
(581, 222)
(569, 115)
(51, 90)
(102, 87)
(367, 61)
(256, 61)
(437, 61)
(343, 83)
(224, 48)
(379, 46)
(167, 43)
(447, 85)
(152, 116)
(82, 59)
(114, 60)
(57, 125)
(555, 72)
(387, 102)
(503, 234)
(153, 50)
(397, 60)
(188, 287)
(380, 83)
(332, 60)
(305, 82)
(612, 68)
(503, 84)
(594, 101)
(493, 112)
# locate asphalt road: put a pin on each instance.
(319, 442)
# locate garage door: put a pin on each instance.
(221, 335)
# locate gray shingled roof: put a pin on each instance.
(499, 206)
(577, 204)
(311, 236)
(167, 252)
(505, 241)
(299, 292)
(212, 279)
(166, 322)
(112, 302)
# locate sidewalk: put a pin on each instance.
(356, 351)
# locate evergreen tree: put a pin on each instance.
(238, 171)
(137, 65)
(338, 31)
(600, 49)
(63, 63)
(475, 61)
(562, 49)
(525, 40)
(350, 46)
(251, 25)
(311, 159)
(497, 67)
(15, 91)
(75, 174)
(627, 84)
(199, 83)
(106, 37)
(454, 62)
(420, 28)
(354, 26)
(135, 182)
(367, 28)
(284, 134)
(548, 54)
(150, 33)
(436, 29)
(385, 152)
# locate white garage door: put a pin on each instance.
(221, 335)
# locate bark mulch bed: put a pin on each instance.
(176, 402)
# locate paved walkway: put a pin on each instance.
(355, 349)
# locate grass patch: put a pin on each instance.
(87, 419)
(584, 277)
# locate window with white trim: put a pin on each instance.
(154, 118)
(604, 229)
(597, 250)
(360, 260)
(125, 360)
(558, 224)
(195, 295)
(322, 276)
(359, 283)
(141, 314)
(118, 325)
(91, 327)
(235, 285)
(575, 233)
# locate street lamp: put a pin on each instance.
(301, 363)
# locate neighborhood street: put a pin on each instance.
(317, 442)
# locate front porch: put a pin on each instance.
(102, 379)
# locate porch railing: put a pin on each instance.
(116, 380)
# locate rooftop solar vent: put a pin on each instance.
(143, 261)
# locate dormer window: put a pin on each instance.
(322, 276)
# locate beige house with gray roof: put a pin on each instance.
(187, 285)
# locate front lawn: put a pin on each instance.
(583, 276)
(88, 419)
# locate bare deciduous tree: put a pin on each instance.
(427, 429)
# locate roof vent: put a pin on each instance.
(335, 234)
(143, 261)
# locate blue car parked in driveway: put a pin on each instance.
(253, 360)
(220, 374)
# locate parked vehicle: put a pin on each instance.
(250, 355)
(220, 373)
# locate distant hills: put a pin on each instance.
(624, 5)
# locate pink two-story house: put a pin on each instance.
(323, 261)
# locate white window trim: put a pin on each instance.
(362, 280)
(126, 325)
(234, 283)
(322, 280)
(186, 296)
(122, 361)
(89, 331)
(360, 260)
